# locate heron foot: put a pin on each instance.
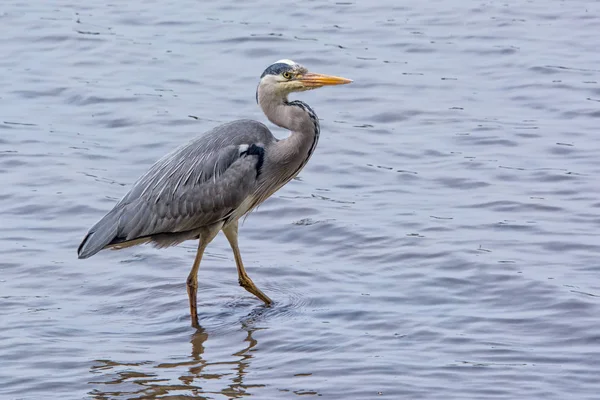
(247, 284)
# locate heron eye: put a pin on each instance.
(287, 75)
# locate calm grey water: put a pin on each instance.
(442, 243)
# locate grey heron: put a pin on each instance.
(208, 184)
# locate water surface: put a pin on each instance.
(442, 243)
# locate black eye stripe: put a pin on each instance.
(277, 69)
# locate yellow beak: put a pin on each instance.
(313, 80)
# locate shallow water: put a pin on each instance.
(442, 243)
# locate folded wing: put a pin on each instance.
(195, 186)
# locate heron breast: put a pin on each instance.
(243, 208)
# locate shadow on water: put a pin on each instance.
(143, 380)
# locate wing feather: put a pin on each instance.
(196, 185)
(219, 182)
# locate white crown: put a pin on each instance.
(285, 61)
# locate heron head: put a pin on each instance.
(286, 76)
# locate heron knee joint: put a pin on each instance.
(191, 282)
(245, 282)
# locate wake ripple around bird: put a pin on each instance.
(289, 302)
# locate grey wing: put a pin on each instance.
(197, 185)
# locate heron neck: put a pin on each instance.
(303, 123)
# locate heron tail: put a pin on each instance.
(101, 234)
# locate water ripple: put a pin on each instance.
(442, 241)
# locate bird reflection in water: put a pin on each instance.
(145, 380)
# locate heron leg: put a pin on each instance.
(192, 279)
(231, 232)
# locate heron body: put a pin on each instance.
(208, 184)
